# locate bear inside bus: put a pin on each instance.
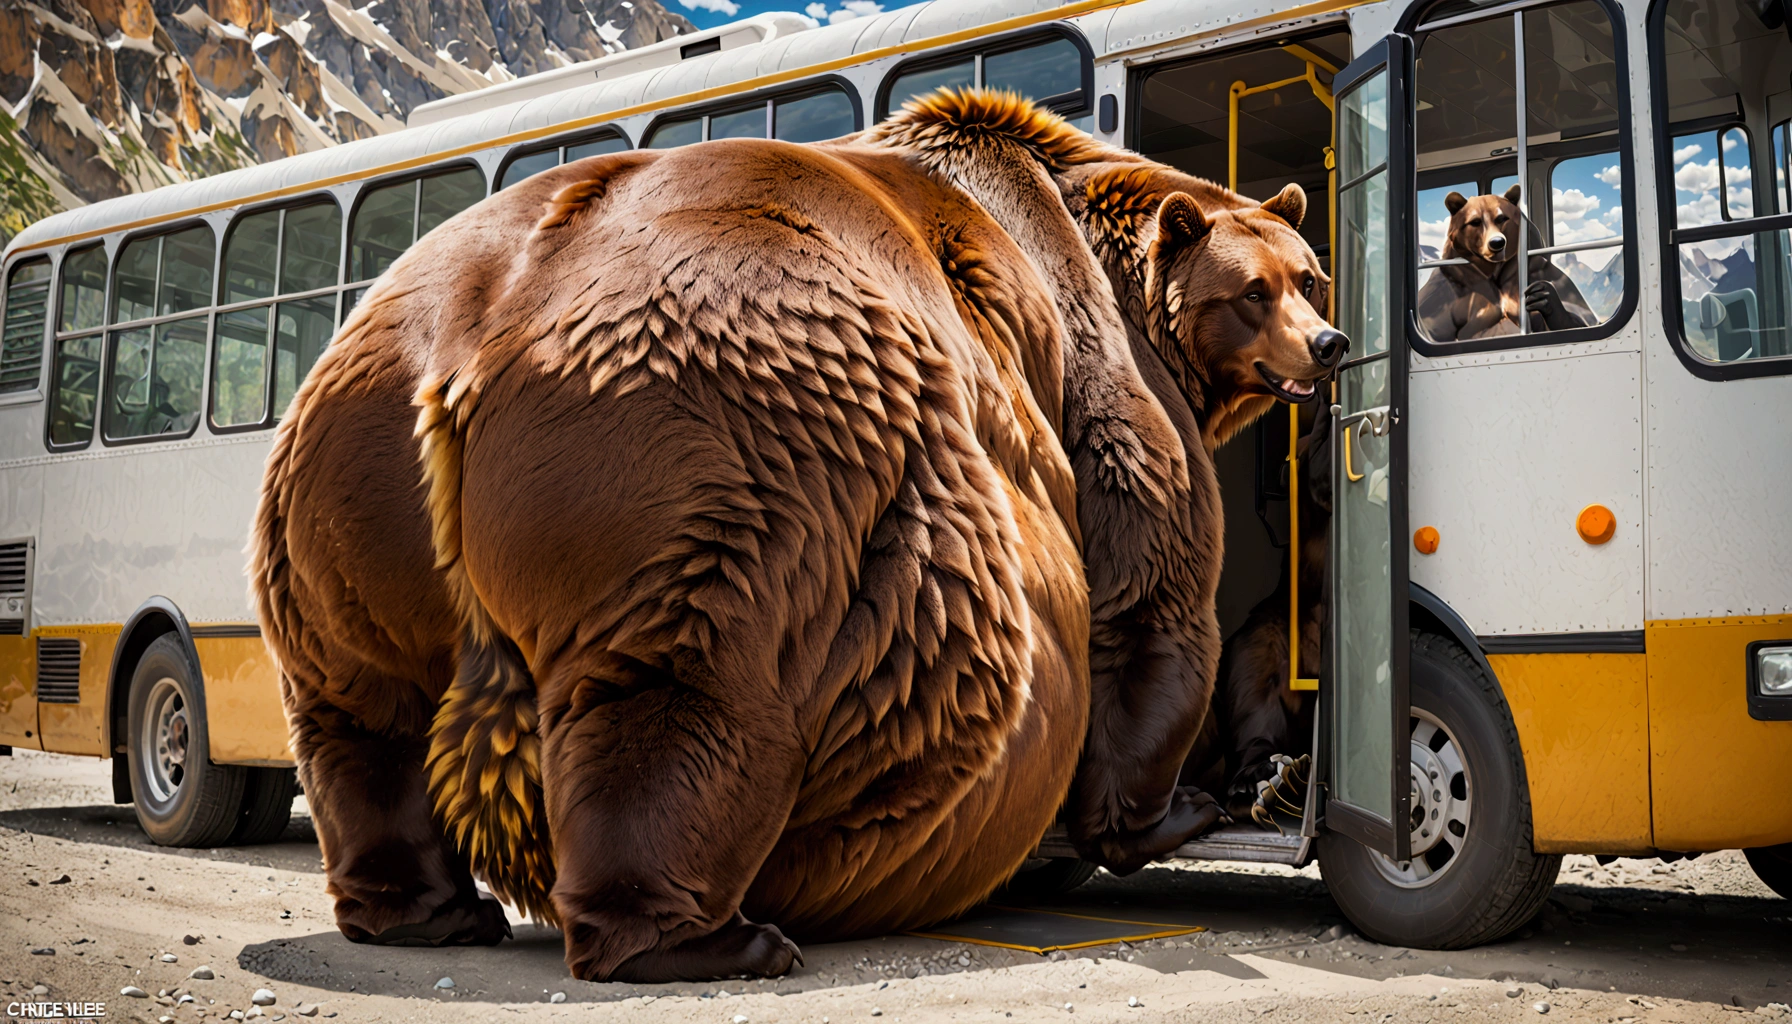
(1480, 298)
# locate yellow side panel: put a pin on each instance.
(81, 728)
(18, 692)
(1719, 776)
(242, 701)
(1583, 722)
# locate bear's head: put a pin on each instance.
(1238, 295)
(1483, 230)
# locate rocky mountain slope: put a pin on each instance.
(99, 98)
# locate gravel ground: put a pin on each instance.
(1633, 942)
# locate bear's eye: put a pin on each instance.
(1306, 285)
(1253, 296)
(1501, 219)
(1475, 223)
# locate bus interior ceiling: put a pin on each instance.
(1183, 119)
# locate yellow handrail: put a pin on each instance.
(1323, 93)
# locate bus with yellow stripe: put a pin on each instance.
(1558, 610)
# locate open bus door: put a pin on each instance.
(1364, 760)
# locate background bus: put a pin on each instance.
(152, 341)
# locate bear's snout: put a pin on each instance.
(1328, 346)
(1496, 243)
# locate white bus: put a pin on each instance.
(1560, 582)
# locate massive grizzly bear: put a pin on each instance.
(746, 582)
(1221, 300)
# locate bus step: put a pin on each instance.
(1232, 842)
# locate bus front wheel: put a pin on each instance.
(1474, 876)
(182, 798)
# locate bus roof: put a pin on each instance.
(781, 56)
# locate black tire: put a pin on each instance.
(182, 798)
(1773, 866)
(1492, 881)
(1045, 878)
(267, 805)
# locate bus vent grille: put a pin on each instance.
(15, 571)
(58, 671)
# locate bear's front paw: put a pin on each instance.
(1191, 813)
(738, 949)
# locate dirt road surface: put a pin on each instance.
(1635, 942)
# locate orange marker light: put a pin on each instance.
(1425, 539)
(1596, 524)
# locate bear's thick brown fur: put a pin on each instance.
(747, 574)
(1480, 298)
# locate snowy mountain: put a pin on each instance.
(99, 98)
(1603, 288)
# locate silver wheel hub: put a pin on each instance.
(164, 745)
(1440, 806)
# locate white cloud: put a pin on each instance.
(816, 10)
(1681, 155)
(1573, 204)
(854, 9)
(1434, 233)
(1730, 142)
(1697, 177)
(728, 7)
(1613, 176)
(1702, 210)
(1742, 200)
(1613, 217)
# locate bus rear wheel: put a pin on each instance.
(1474, 876)
(182, 798)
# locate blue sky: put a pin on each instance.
(711, 13)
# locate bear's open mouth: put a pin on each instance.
(1286, 388)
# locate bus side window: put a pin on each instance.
(1503, 255)
(817, 116)
(158, 363)
(271, 345)
(75, 361)
(1725, 152)
(391, 218)
(27, 314)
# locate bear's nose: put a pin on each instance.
(1496, 242)
(1328, 346)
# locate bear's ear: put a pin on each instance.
(1180, 222)
(1512, 195)
(1454, 202)
(1290, 204)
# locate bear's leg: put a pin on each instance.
(666, 788)
(395, 877)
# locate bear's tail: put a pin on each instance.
(484, 752)
(485, 774)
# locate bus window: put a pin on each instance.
(1043, 72)
(444, 195)
(391, 218)
(530, 164)
(600, 147)
(27, 313)
(1724, 67)
(822, 115)
(75, 357)
(186, 277)
(1504, 255)
(156, 378)
(673, 134)
(270, 342)
(134, 280)
(739, 124)
(915, 84)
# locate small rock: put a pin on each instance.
(134, 992)
(236, 1015)
(254, 1011)
(739, 1018)
(1132, 1000)
(262, 997)
(30, 881)
(203, 972)
(44, 951)
(875, 1012)
(1069, 1008)
(306, 1009)
(444, 983)
(192, 940)
(61, 880)
(1540, 1007)
(1514, 992)
(963, 960)
(170, 958)
(1678, 947)
(184, 997)
(40, 990)
(558, 997)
